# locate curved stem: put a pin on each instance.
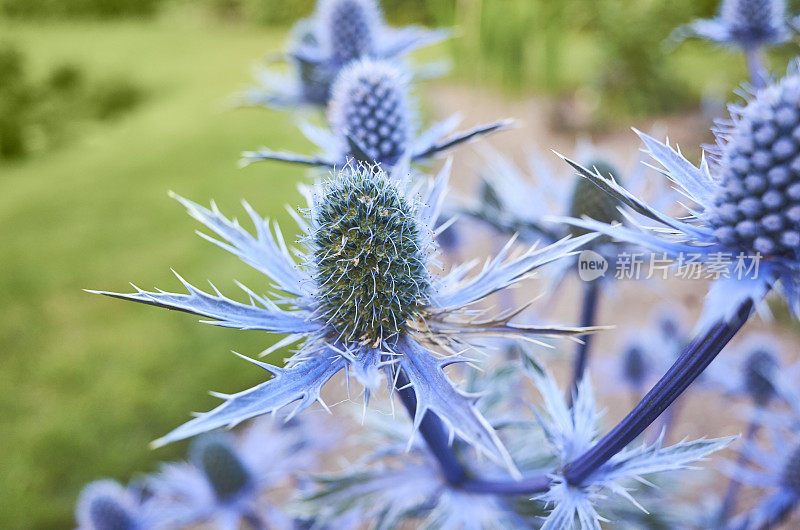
(591, 292)
(435, 435)
(433, 432)
(695, 358)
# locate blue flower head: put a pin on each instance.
(225, 479)
(371, 120)
(571, 431)
(370, 108)
(347, 29)
(364, 299)
(340, 31)
(106, 505)
(755, 369)
(775, 469)
(746, 213)
(514, 201)
(744, 23)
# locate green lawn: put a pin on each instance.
(89, 381)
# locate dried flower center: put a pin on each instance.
(370, 106)
(758, 206)
(222, 467)
(369, 267)
(106, 513)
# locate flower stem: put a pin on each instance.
(435, 435)
(526, 486)
(694, 359)
(729, 501)
(433, 432)
(755, 66)
(591, 292)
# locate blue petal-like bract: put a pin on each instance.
(267, 253)
(224, 311)
(302, 381)
(436, 393)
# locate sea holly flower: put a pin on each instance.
(754, 369)
(365, 301)
(224, 481)
(573, 430)
(413, 490)
(107, 505)
(776, 470)
(514, 201)
(646, 352)
(371, 120)
(398, 483)
(745, 220)
(745, 24)
(339, 32)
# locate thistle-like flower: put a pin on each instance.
(106, 505)
(371, 120)
(223, 481)
(754, 370)
(339, 32)
(745, 223)
(647, 353)
(571, 431)
(397, 484)
(365, 300)
(743, 23)
(777, 470)
(515, 202)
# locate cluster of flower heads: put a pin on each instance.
(363, 297)
(227, 481)
(339, 32)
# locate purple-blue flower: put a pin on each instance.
(745, 216)
(744, 23)
(224, 481)
(107, 505)
(372, 120)
(339, 32)
(573, 430)
(776, 470)
(364, 300)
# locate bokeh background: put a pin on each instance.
(105, 105)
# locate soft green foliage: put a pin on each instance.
(36, 115)
(84, 388)
(369, 266)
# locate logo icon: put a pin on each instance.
(591, 265)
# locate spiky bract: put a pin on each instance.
(590, 201)
(369, 106)
(369, 265)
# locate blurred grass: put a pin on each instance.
(87, 381)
